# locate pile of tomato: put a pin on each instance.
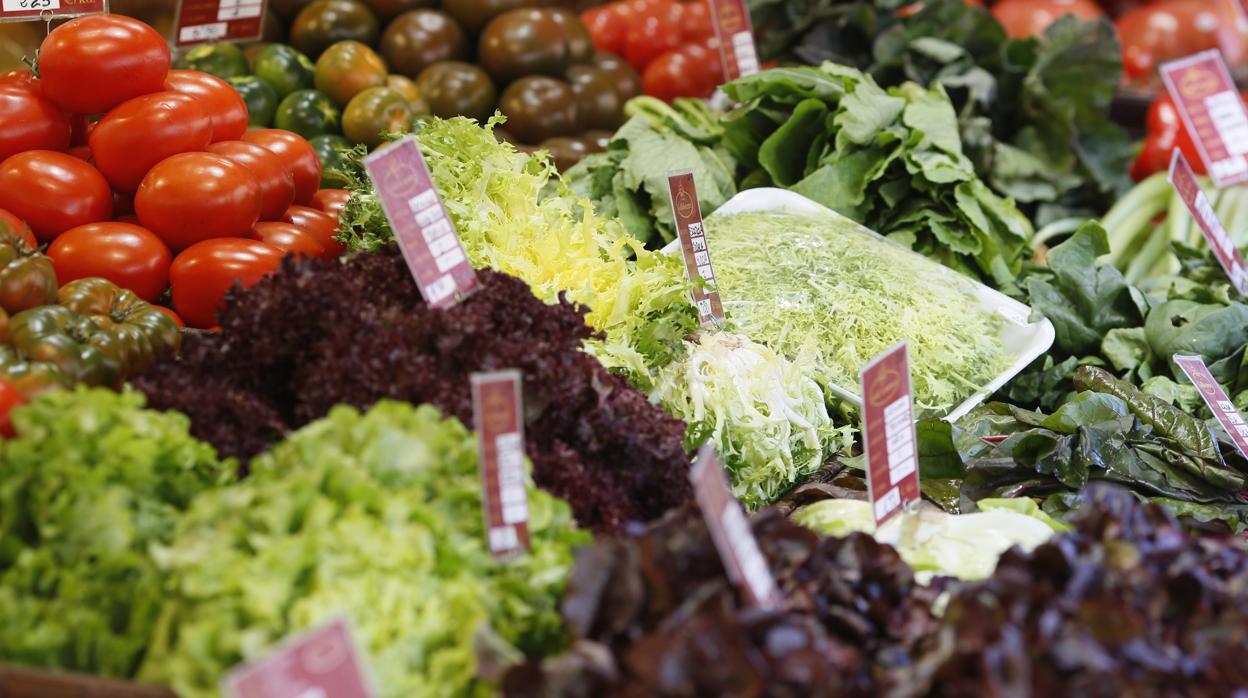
(672, 44)
(148, 177)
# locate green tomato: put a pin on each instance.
(308, 113)
(260, 97)
(329, 148)
(223, 60)
(284, 68)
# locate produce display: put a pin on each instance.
(400, 320)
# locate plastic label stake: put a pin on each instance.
(1184, 181)
(201, 21)
(322, 663)
(434, 253)
(693, 247)
(888, 426)
(731, 20)
(497, 409)
(730, 530)
(26, 10)
(1213, 112)
(1221, 406)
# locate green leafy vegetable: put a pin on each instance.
(377, 516)
(91, 481)
(765, 415)
(824, 286)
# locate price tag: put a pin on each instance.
(1183, 179)
(200, 21)
(731, 19)
(497, 409)
(425, 234)
(1221, 406)
(26, 10)
(1213, 113)
(738, 549)
(693, 247)
(888, 428)
(322, 663)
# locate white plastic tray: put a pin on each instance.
(1024, 341)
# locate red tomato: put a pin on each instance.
(53, 192)
(28, 121)
(695, 22)
(1167, 30)
(678, 74)
(608, 26)
(10, 397)
(17, 225)
(177, 319)
(321, 226)
(81, 152)
(707, 54)
(223, 103)
(650, 35)
(20, 78)
(288, 238)
(197, 196)
(91, 64)
(141, 132)
(128, 255)
(331, 201)
(277, 184)
(201, 275)
(298, 155)
(1024, 18)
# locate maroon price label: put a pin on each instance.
(731, 19)
(1213, 112)
(693, 247)
(1221, 406)
(323, 663)
(434, 253)
(888, 426)
(498, 412)
(730, 530)
(1183, 179)
(201, 21)
(26, 10)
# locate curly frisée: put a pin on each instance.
(797, 281)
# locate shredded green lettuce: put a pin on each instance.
(965, 546)
(765, 415)
(515, 215)
(794, 282)
(374, 515)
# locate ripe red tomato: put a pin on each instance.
(1168, 30)
(298, 155)
(331, 201)
(222, 102)
(288, 238)
(19, 78)
(91, 64)
(128, 255)
(198, 196)
(1024, 18)
(608, 26)
(277, 184)
(201, 275)
(10, 397)
(320, 225)
(141, 132)
(678, 74)
(28, 121)
(177, 319)
(695, 22)
(53, 192)
(650, 35)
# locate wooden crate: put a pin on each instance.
(22, 682)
